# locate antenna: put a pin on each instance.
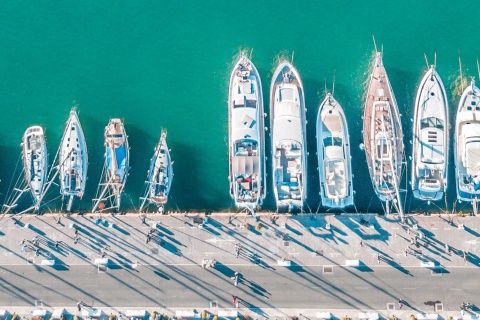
(325, 89)
(293, 55)
(374, 43)
(426, 59)
(333, 84)
(251, 52)
(435, 60)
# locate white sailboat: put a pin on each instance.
(160, 176)
(430, 139)
(116, 168)
(333, 152)
(246, 136)
(288, 127)
(73, 160)
(35, 161)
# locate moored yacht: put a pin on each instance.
(114, 176)
(289, 148)
(160, 176)
(35, 161)
(430, 139)
(333, 152)
(467, 145)
(383, 136)
(73, 160)
(246, 135)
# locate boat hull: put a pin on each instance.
(288, 133)
(467, 145)
(35, 160)
(117, 155)
(160, 174)
(430, 139)
(333, 152)
(246, 136)
(382, 134)
(73, 158)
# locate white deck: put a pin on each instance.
(467, 144)
(287, 122)
(160, 176)
(35, 160)
(333, 150)
(246, 136)
(430, 141)
(73, 158)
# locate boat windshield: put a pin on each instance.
(118, 135)
(332, 141)
(432, 122)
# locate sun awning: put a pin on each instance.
(245, 165)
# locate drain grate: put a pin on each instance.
(438, 307)
(213, 304)
(327, 270)
(391, 306)
(319, 252)
(38, 303)
(286, 243)
(154, 250)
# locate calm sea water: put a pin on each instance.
(160, 64)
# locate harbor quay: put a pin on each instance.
(229, 265)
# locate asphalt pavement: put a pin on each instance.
(290, 265)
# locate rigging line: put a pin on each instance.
(14, 171)
(426, 60)
(461, 74)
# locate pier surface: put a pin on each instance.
(344, 264)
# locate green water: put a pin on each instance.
(160, 64)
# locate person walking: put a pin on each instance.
(235, 279)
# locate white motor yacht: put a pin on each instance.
(333, 152)
(288, 133)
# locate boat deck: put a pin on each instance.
(287, 122)
(383, 136)
(468, 145)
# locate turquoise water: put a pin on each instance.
(160, 64)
